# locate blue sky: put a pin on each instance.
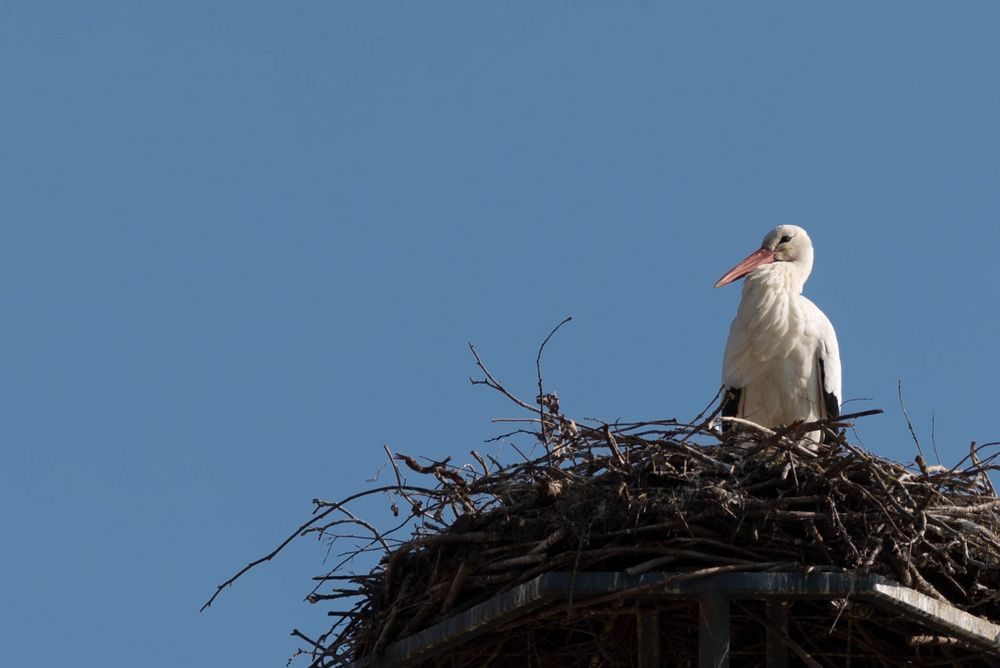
(245, 244)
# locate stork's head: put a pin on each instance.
(787, 246)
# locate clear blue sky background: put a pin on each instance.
(245, 243)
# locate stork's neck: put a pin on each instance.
(770, 307)
(778, 277)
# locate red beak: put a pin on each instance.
(754, 260)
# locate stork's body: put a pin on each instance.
(782, 361)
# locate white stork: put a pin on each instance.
(782, 362)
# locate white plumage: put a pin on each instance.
(782, 362)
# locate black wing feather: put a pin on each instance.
(730, 404)
(831, 402)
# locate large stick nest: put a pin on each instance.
(657, 496)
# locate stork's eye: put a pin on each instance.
(785, 239)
